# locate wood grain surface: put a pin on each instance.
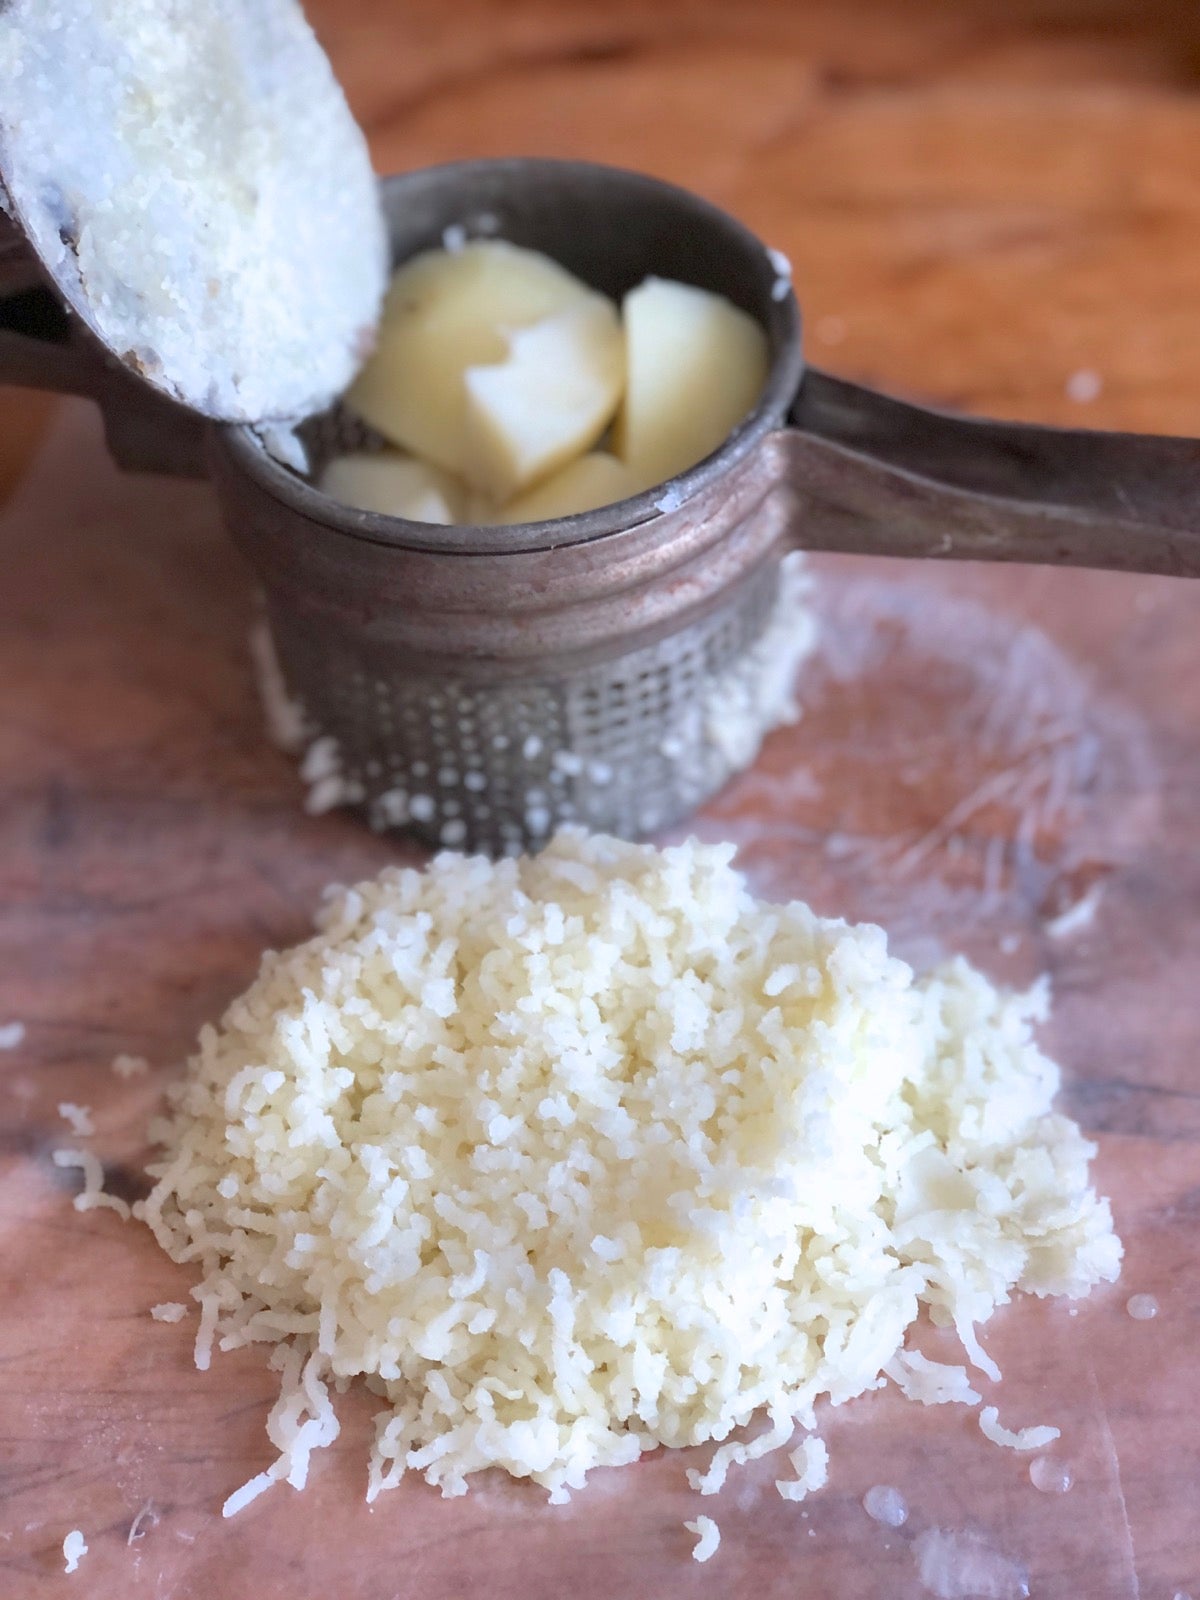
(979, 201)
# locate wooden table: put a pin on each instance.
(980, 201)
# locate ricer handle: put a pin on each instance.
(42, 346)
(879, 476)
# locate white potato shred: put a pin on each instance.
(193, 178)
(572, 1156)
(708, 1538)
(74, 1548)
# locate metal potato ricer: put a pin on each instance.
(479, 685)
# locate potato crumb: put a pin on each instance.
(78, 1118)
(1035, 1438)
(1078, 916)
(130, 1066)
(708, 1538)
(74, 1549)
(287, 724)
(241, 1498)
(169, 1311)
(93, 1194)
(811, 1461)
(932, 1383)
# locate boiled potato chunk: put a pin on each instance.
(500, 371)
(695, 366)
(446, 313)
(396, 485)
(548, 402)
(593, 480)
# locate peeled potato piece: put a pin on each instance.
(548, 402)
(446, 313)
(695, 366)
(396, 485)
(593, 480)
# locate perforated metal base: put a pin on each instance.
(626, 746)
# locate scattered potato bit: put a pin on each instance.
(695, 366)
(126, 1066)
(1035, 1438)
(931, 1383)
(594, 480)
(708, 1538)
(445, 313)
(169, 1311)
(74, 1549)
(811, 1461)
(396, 485)
(549, 401)
(93, 1194)
(79, 1118)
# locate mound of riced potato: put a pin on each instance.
(572, 1156)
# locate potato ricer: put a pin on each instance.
(478, 686)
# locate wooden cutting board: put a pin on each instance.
(976, 209)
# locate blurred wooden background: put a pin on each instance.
(979, 197)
